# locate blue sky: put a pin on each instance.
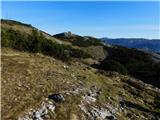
(100, 19)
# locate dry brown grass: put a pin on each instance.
(27, 79)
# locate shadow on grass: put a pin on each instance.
(140, 108)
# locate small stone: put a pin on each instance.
(4, 81)
(51, 107)
(110, 117)
(56, 97)
(65, 67)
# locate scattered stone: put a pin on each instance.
(95, 113)
(76, 90)
(111, 108)
(89, 99)
(42, 111)
(39, 113)
(50, 106)
(101, 113)
(92, 95)
(16, 99)
(29, 72)
(65, 67)
(4, 81)
(19, 84)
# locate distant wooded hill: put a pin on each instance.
(140, 43)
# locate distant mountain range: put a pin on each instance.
(139, 43)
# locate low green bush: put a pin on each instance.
(137, 63)
(36, 42)
(86, 42)
(114, 66)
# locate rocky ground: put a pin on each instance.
(38, 87)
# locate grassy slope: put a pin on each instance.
(27, 79)
(26, 29)
(96, 51)
(91, 45)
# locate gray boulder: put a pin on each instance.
(56, 97)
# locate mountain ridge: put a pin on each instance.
(139, 43)
(47, 80)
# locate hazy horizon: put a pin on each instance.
(99, 19)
